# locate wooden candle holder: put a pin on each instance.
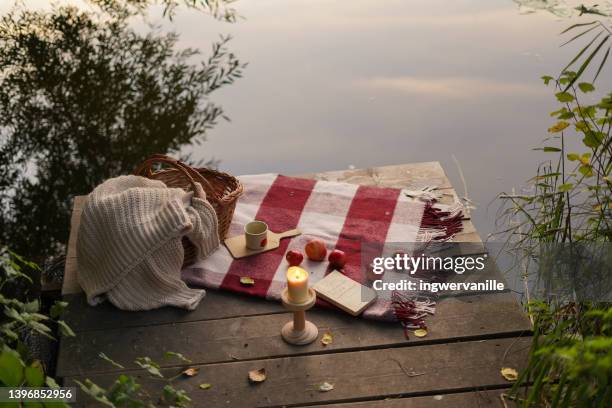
(299, 331)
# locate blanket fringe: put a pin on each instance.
(438, 224)
(411, 312)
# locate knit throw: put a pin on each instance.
(344, 216)
(129, 245)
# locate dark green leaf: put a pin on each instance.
(603, 62)
(564, 96)
(96, 392)
(577, 56)
(11, 367)
(149, 365)
(582, 126)
(558, 112)
(13, 314)
(579, 35)
(34, 374)
(108, 359)
(65, 329)
(32, 307)
(587, 61)
(9, 333)
(57, 309)
(592, 139)
(51, 383)
(547, 79)
(170, 354)
(578, 25)
(586, 87)
(586, 170)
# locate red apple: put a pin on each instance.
(337, 259)
(315, 250)
(294, 257)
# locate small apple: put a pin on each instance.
(315, 250)
(294, 257)
(337, 259)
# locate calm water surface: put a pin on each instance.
(341, 83)
(333, 84)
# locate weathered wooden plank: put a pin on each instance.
(257, 337)
(359, 375)
(480, 399)
(215, 305)
(70, 283)
(411, 176)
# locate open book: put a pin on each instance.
(345, 293)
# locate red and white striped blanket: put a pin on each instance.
(341, 214)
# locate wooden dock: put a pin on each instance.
(371, 364)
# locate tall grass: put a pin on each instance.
(570, 362)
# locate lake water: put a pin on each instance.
(333, 84)
(336, 84)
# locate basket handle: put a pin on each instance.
(145, 169)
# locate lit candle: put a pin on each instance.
(297, 284)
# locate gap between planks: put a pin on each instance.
(481, 398)
(426, 399)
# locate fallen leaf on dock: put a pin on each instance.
(325, 387)
(247, 280)
(191, 372)
(420, 332)
(205, 386)
(257, 376)
(510, 374)
(327, 339)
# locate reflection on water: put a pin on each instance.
(564, 8)
(339, 83)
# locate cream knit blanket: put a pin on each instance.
(129, 247)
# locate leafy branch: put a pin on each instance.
(17, 367)
(218, 9)
(127, 392)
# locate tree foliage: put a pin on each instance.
(219, 9)
(83, 97)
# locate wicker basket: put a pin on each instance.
(222, 190)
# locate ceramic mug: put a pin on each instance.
(256, 234)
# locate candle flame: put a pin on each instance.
(296, 274)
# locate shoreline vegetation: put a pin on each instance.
(570, 362)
